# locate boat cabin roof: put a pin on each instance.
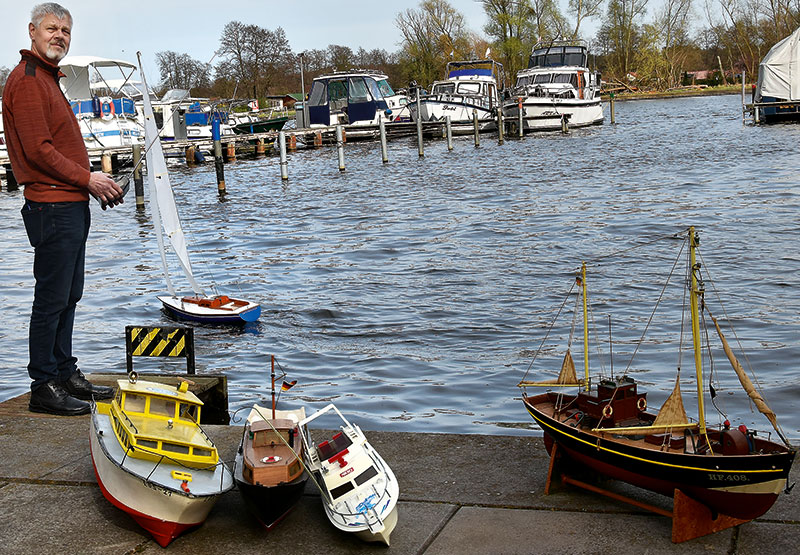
(164, 391)
(558, 53)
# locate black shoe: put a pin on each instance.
(78, 386)
(51, 398)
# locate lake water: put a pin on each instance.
(415, 294)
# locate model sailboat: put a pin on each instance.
(199, 306)
(729, 474)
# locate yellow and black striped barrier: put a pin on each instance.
(159, 341)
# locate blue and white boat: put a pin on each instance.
(103, 104)
(354, 98)
(471, 87)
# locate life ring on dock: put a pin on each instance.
(607, 411)
(107, 109)
(641, 404)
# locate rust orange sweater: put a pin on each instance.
(48, 155)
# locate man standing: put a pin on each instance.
(48, 156)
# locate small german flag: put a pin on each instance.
(286, 386)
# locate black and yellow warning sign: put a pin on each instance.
(159, 341)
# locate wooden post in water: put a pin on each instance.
(292, 142)
(231, 151)
(189, 154)
(340, 147)
(611, 102)
(475, 128)
(449, 132)
(420, 148)
(521, 119)
(384, 149)
(219, 165)
(284, 162)
(318, 138)
(260, 147)
(743, 100)
(501, 126)
(105, 163)
(138, 182)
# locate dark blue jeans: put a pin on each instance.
(57, 232)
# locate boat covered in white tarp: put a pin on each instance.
(779, 71)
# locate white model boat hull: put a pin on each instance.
(225, 314)
(152, 497)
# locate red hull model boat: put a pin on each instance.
(732, 471)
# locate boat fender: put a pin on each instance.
(607, 411)
(97, 111)
(641, 404)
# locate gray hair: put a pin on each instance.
(49, 8)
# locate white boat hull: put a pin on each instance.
(543, 114)
(151, 496)
(226, 314)
(459, 113)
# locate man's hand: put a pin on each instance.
(103, 188)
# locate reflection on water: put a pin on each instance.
(413, 294)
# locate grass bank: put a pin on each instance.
(677, 93)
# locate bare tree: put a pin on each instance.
(181, 71)
(582, 10)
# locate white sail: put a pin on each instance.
(165, 212)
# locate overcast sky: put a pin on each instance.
(118, 29)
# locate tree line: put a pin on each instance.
(653, 43)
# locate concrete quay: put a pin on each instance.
(459, 494)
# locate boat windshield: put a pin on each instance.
(271, 437)
(358, 90)
(188, 412)
(385, 88)
(162, 407)
(558, 56)
(337, 94)
(443, 88)
(134, 402)
(542, 78)
(373, 88)
(469, 88)
(565, 78)
(319, 94)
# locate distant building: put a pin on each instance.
(285, 100)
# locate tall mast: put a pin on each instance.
(585, 328)
(694, 304)
(272, 377)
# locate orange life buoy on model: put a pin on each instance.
(607, 411)
(641, 404)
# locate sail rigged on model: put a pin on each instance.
(165, 213)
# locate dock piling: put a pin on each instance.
(420, 148)
(384, 149)
(501, 126)
(284, 162)
(611, 107)
(449, 130)
(189, 155)
(564, 124)
(340, 147)
(475, 128)
(521, 121)
(218, 161)
(260, 147)
(105, 163)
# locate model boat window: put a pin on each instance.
(336, 493)
(134, 403)
(188, 412)
(367, 475)
(162, 407)
(271, 437)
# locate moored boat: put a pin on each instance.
(732, 471)
(153, 460)
(557, 84)
(359, 491)
(777, 93)
(471, 87)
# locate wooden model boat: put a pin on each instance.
(269, 470)
(734, 472)
(153, 460)
(219, 309)
(359, 490)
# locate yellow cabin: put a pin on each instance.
(156, 422)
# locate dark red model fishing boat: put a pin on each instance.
(734, 472)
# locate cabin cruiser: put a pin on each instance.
(180, 117)
(470, 87)
(557, 84)
(106, 113)
(355, 98)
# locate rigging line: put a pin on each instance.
(653, 313)
(549, 329)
